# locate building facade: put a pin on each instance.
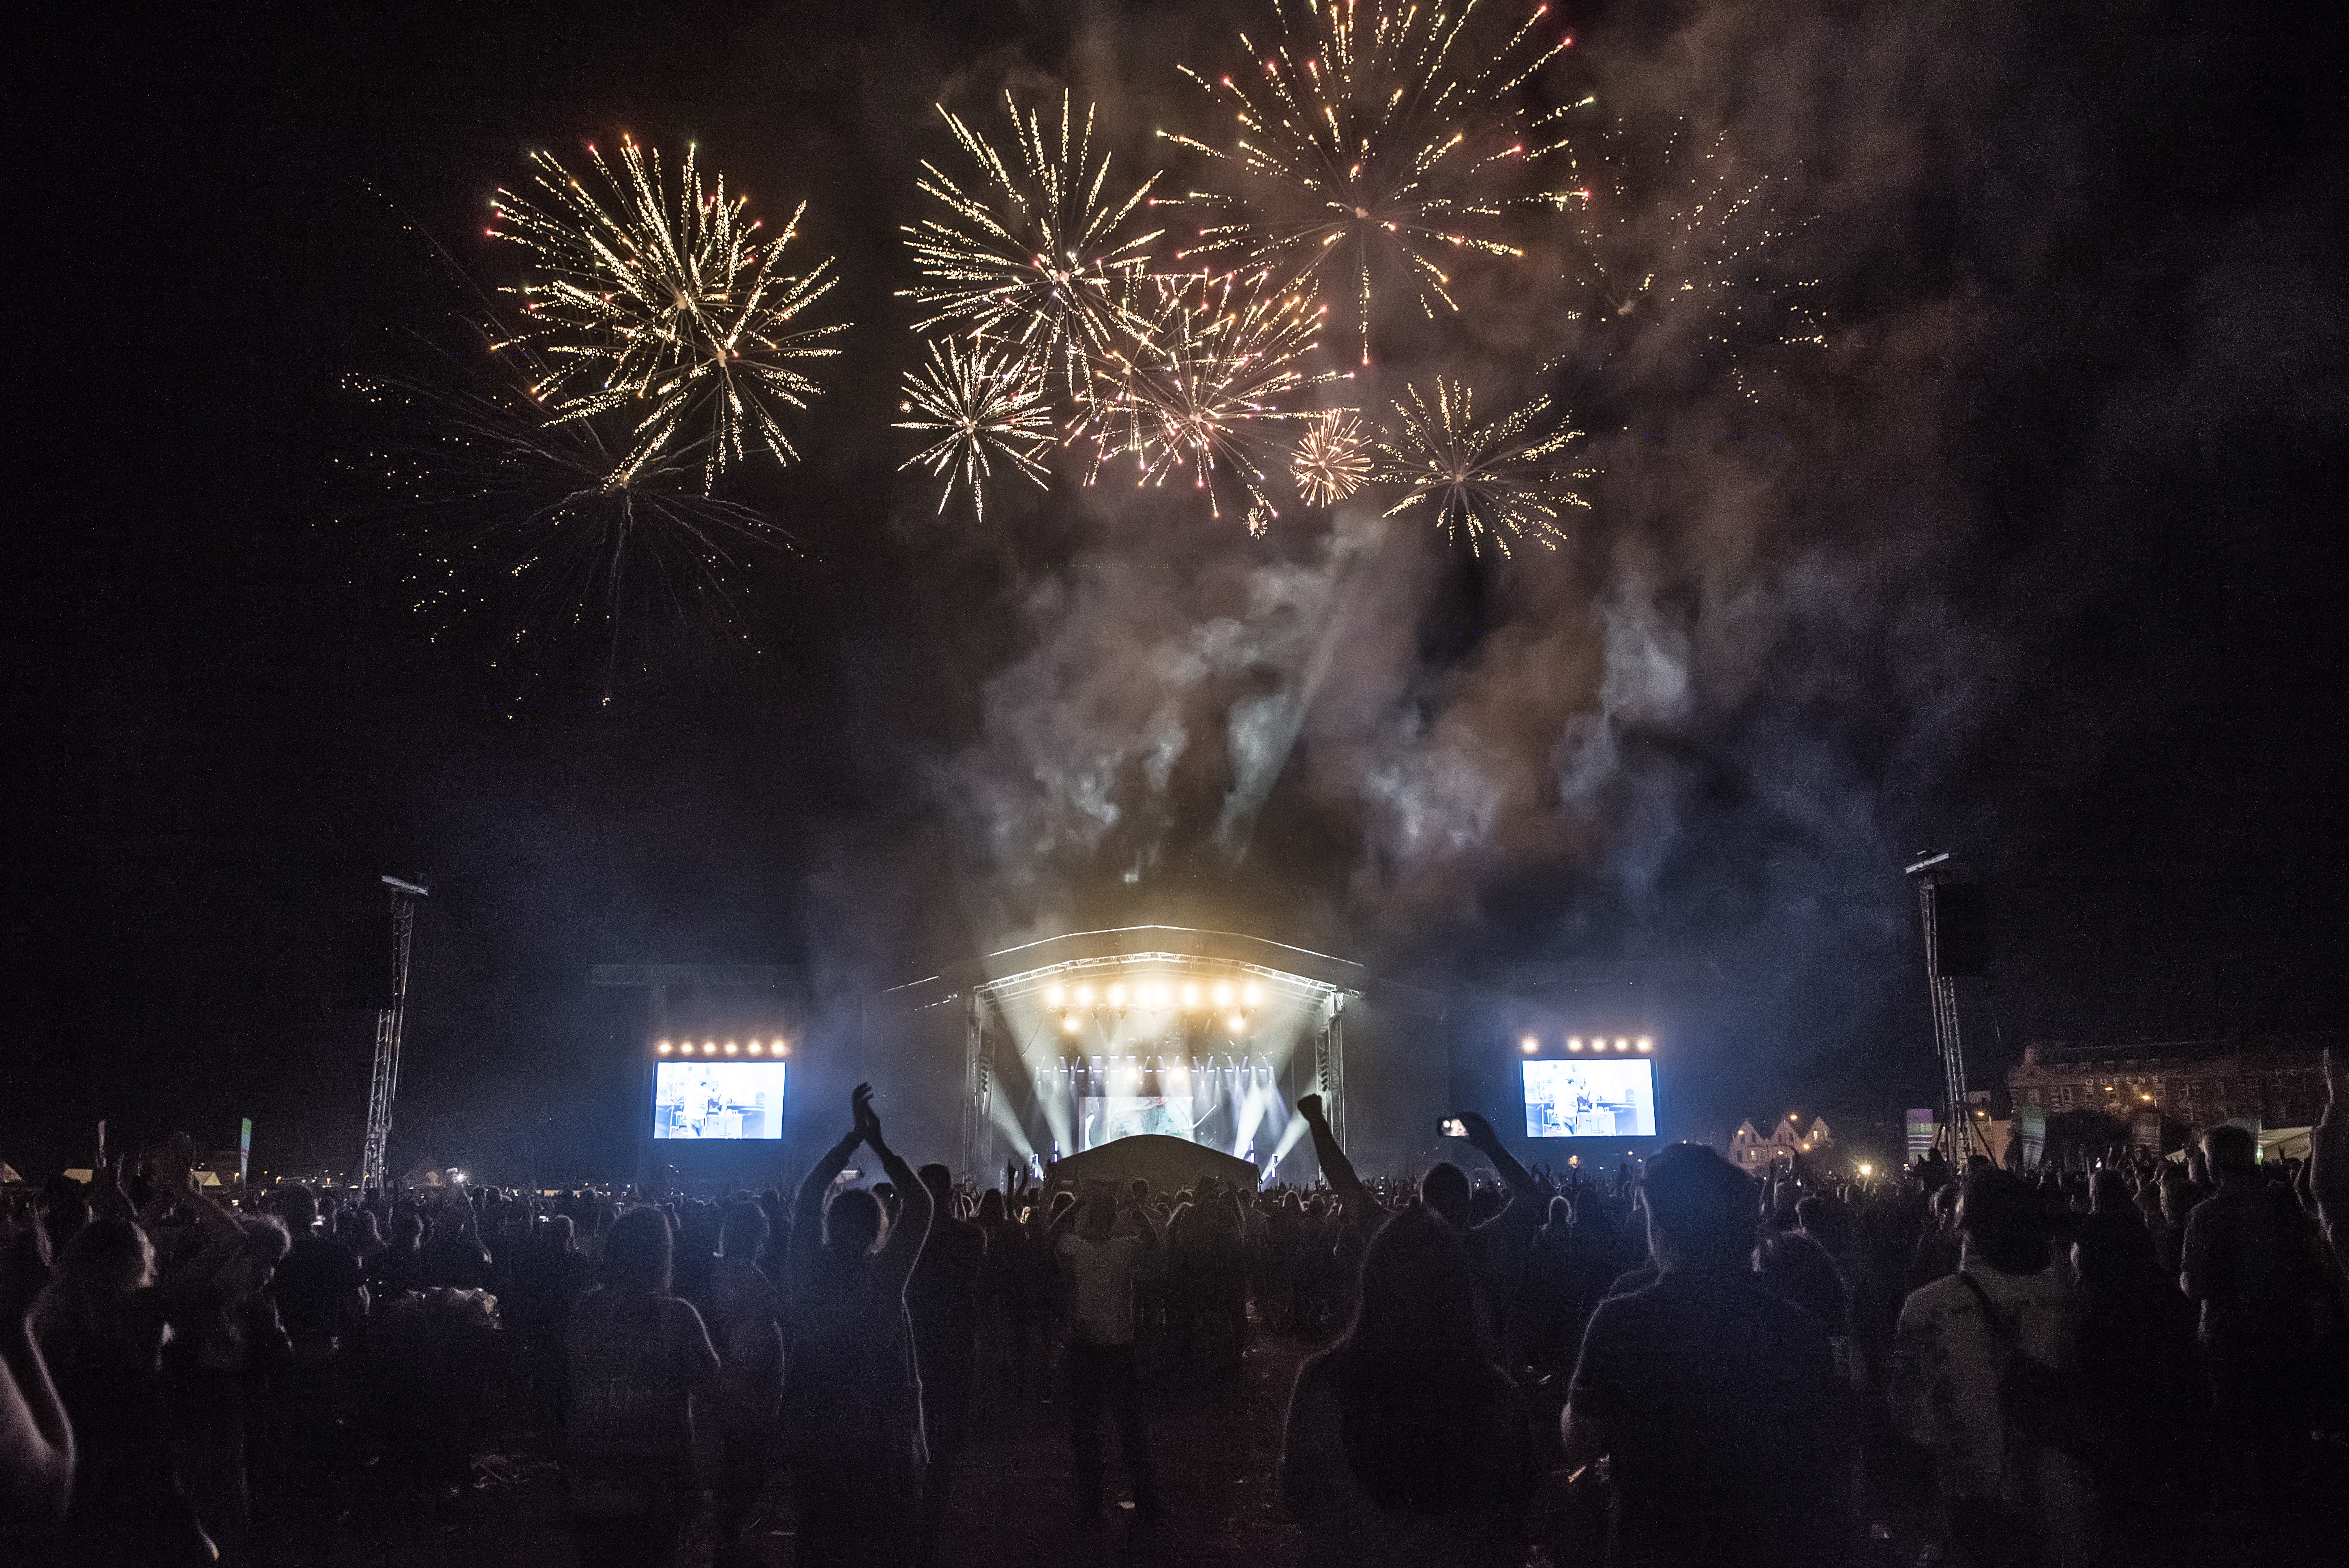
(2274, 1085)
(1755, 1154)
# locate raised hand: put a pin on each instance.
(1480, 1132)
(1309, 1108)
(868, 1121)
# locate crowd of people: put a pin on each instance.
(1671, 1363)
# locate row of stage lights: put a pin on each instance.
(778, 1047)
(1531, 1043)
(1159, 997)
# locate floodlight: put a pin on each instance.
(1529, 1045)
(1646, 1044)
(1574, 1042)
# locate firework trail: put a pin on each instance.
(1333, 459)
(983, 405)
(1037, 248)
(666, 310)
(1374, 141)
(1207, 383)
(1488, 484)
(531, 534)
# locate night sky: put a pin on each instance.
(2039, 560)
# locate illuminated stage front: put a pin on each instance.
(1075, 1041)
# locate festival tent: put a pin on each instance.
(1168, 1164)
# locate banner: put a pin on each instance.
(244, 1152)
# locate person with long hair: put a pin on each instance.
(639, 1360)
(852, 1400)
(1405, 1443)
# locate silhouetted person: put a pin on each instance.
(100, 1327)
(37, 1441)
(638, 1359)
(1405, 1444)
(2249, 1264)
(942, 1299)
(746, 1318)
(1730, 1436)
(852, 1404)
(1102, 1257)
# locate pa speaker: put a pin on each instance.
(1962, 929)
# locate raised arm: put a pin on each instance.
(1336, 1169)
(2328, 1161)
(807, 1203)
(903, 1247)
(1487, 1142)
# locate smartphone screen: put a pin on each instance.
(1452, 1127)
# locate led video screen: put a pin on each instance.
(1591, 1098)
(718, 1099)
(1107, 1118)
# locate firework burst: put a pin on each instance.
(665, 309)
(980, 405)
(1333, 459)
(1207, 385)
(1488, 484)
(1037, 248)
(1374, 141)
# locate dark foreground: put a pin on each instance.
(1216, 1443)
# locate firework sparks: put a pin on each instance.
(982, 405)
(1204, 386)
(1333, 459)
(1374, 141)
(1037, 248)
(670, 310)
(1675, 231)
(529, 534)
(1488, 484)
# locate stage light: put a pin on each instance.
(664, 1048)
(1529, 1045)
(1252, 994)
(1574, 1042)
(1223, 994)
(1068, 1022)
(1191, 995)
(1056, 996)
(1622, 1045)
(1117, 996)
(1084, 996)
(1865, 1169)
(730, 1048)
(709, 1047)
(1646, 1044)
(754, 1048)
(1237, 1023)
(783, 1047)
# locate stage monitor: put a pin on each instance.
(1602, 1099)
(720, 1100)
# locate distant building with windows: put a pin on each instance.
(1755, 1153)
(2273, 1085)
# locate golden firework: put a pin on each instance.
(1036, 249)
(981, 405)
(1334, 458)
(1494, 483)
(1373, 142)
(664, 308)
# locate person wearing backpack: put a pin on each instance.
(1980, 1363)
